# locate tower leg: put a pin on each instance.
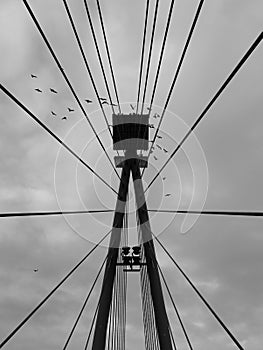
(100, 333)
(161, 319)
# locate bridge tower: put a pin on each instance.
(131, 135)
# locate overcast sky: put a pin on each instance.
(220, 168)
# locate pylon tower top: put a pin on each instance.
(130, 134)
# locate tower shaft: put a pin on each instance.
(131, 165)
(99, 339)
(161, 319)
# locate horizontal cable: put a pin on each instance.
(226, 329)
(66, 79)
(22, 323)
(218, 93)
(21, 105)
(84, 305)
(209, 212)
(50, 213)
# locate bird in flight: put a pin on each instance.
(151, 126)
(113, 104)
(33, 76)
(158, 146)
(132, 107)
(155, 115)
(38, 90)
(164, 178)
(102, 98)
(35, 270)
(165, 150)
(104, 102)
(53, 90)
(159, 137)
(155, 157)
(88, 101)
(53, 113)
(71, 109)
(168, 194)
(64, 118)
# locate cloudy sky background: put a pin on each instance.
(223, 256)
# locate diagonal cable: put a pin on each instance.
(97, 308)
(177, 72)
(226, 329)
(84, 305)
(218, 93)
(162, 52)
(159, 65)
(28, 317)
(92, 325)
(150, 54)
(86, 63)
(98, 54)
(175, 308)
(67, 80)
(210, 212)
(142, 53)
(108, 54)
(21, 105)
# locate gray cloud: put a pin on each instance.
(223, 256)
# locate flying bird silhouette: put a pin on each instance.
(165, 150)
(38, 90)
(53, 113)
(102, 98)
(35, 270)
(113, 104)
(33, 76)
(168, 194)
(159, 137)
(70, 109)
(104, 102)
(64, 118)
(159, 146)
(88, 101)
(54, 91)
(151, 126)
(164, 178)
(155, 158)
(132, 107)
